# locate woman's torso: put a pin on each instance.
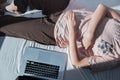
(106, 34)
(61, 32)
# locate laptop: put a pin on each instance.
(43, 64)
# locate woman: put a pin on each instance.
(95, 43)
(34, 30)
(40, 30)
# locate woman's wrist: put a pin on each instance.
(72, 32)
(90, 30)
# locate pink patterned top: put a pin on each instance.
(105, 54)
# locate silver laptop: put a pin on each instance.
(43, 64)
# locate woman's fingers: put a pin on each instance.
(70, 19)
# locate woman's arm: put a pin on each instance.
(75, 59)
(12, 8)
(17, 6)
(101, 12)
(97, 16)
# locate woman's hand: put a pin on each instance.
(70, 20)
(12, 8)
(87, 39)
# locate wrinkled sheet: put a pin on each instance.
(11, 50)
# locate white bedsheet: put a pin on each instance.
(12, 48)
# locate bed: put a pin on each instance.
(12, 48)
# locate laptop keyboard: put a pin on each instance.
(42, 69)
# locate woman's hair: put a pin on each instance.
(1, 1)
(3, 5)
(21, 5)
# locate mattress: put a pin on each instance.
(11, 50)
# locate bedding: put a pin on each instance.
(29, 14)
(11, 50)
